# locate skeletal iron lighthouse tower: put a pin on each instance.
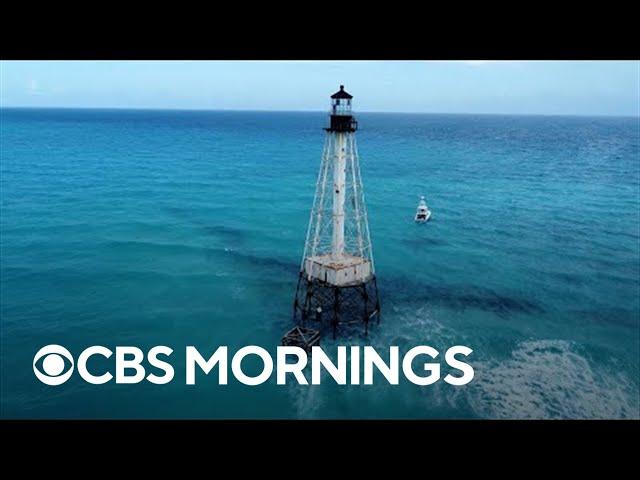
(337, 283)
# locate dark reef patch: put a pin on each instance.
(425, 241)
(569, 278)
(223, 232)
(457, 297)
(268, 263)
(610, 316)
(234, 235)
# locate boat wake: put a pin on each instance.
(549, 379)
(539, 379)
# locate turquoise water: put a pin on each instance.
(186, 228)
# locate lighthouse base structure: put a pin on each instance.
(319, 303)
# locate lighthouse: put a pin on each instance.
(337, 281)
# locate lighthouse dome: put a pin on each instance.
(342, 94)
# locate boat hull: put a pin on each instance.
(423, 220)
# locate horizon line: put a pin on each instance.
(28, 107)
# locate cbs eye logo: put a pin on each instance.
(53, 364)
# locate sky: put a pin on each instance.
(502, 87)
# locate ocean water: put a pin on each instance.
(186, 228)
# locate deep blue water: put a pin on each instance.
(186, 228)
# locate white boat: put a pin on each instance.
(423, 214)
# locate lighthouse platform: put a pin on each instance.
(302, 337)
(340, 271)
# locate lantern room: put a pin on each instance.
(341, 102)
(341, 117)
